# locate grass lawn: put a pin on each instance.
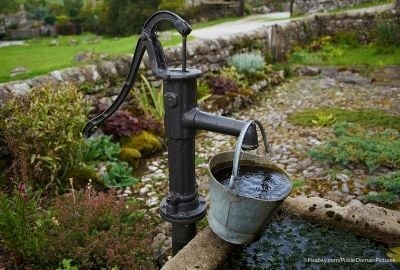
(365, 118)
(351, 56)
(39, 57)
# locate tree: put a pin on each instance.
(73, 7)
(125, 17)
(8, 6)
(175, 6)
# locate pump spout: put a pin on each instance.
(197, 119)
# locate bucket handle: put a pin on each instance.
(236, 157)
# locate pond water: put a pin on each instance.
(293, 243)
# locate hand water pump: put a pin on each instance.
(182, 206)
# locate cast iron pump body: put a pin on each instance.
(182, 206)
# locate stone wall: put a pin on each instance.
(312, 6)
(206, 55)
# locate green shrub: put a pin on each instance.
(349, 38)
(93, 230)
(323, 120)
(23, 226)
(203, 90)
(101, 148)
(304, 57)
(67, 265)
(387, 34)
(247, 63)
(118, 175)
(365, 118)
(383, 197)
(388, 187)
(387, 183)
(43, 132)
(354, 144)
(151, 99)
(233, 74)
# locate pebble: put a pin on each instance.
(153, 201)
(143, 191)
(152, 168)
(355, 202)
(345, 188)
(342, 177)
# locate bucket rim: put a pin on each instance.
(282, 197)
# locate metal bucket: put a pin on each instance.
(235, 218)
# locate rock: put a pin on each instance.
(143, 191)
(20, 89)
(18, 71)
(153, 201)
(84, 57)
(57, 75)
(309, 71)
(5, 96)
(342, 177)
(54, 42)
(128, 191)
(351, 78)
(153, 168)
(72, 42)
(355, 202)
(378, 223)
(345, 188)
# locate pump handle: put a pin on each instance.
(148, 41)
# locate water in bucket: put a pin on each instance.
(255, 182)
(245, 192)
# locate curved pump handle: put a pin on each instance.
(148, 41)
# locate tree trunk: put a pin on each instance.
(291, 7)
(241, 8)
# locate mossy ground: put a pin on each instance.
(365, 118)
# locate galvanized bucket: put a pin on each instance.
(235, 218)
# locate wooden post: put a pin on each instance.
(291, 7)
(241, 8)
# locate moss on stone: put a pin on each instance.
(145, 142)
(130, 155)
